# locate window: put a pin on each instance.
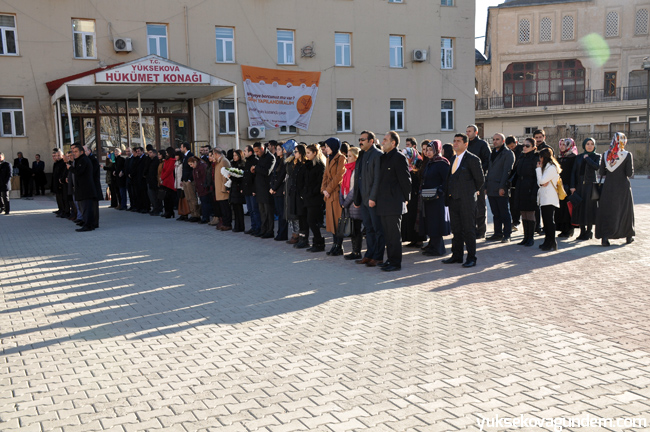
(641, 22)
(8, 43)
(83, 34)
(225, 44)
(227, 116)
(11, 117)
(285, 47)
(610, 84)
(611, 24)
(447, 53)
(157, 39)
(530, 129)
(396, 51)
(288, 130)
(447, 114)
(524, 31)
(395, 1)
(567, 27)
(545, 30)
(446, 2)
(343, 115)
(397, 115)
(342, 47)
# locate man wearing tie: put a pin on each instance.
(465, 180)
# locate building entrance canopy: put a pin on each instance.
(150, 78)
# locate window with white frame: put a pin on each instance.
(12, 122)
(285, 47)
(396, 51)
(83, 34)
(446, 53)
(395, 1)
(288, 130)
(157, 40)
(524, 30)
(545, 30)
(447, 115)
(397, 115)
(342, 48)
(446, 2)
(641, 22)
(343, 115)
(611, 24)
(567, 27)
(8, 40)
(225, 44)
(227, 116)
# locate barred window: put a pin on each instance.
(641, 22)
(567, 27)
(524, 31)
(611, 24)
(545, 30)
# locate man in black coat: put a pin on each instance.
(59, 185)
(151, 176)
(99, 194)
(516, 148)
(38, 174)
(465, 181)
(119, 178)
(5, 184)
(248, 189)
(145, 204)
(262, 171)
(84, 187)
(24, 171)
(501, 162)
(393, 196)
(187, 182)
(540, 140)
(480, 148)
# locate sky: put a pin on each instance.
(481, 17)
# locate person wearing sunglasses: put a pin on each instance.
(524, 181)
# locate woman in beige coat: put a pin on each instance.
(330, 189)
(221, 192)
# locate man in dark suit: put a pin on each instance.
(24, 171)
(366, 190)
(464, 182)
(99, 194)
(84, 186)
(480, 148)
(119, 178)
(59, 185)
(128, 170)
(501, 162)
(394, 193)
(516, 148)
(262, 171)
(38, 174)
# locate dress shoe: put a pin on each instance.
(452, 260)
(316, 248)
(258, 234)
(194, 219)
(302, 244)
(391, 268)
(373, 263)
(329, 252)
(384, 264)
(203, 222)
(80, 223)
(469, 263)
(505, 240)
(268, 235)
(629, 240)
(181, 218)
(84, 229)
(250, 231)
(294, 239)
(431, 253)
(337, 252)
(277, 238)
(352, 256)
(605, 242)
(414, 244)
(495, 237)
(225, 228)
(364, 260)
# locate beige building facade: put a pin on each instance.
(571, 67)
(398, 64)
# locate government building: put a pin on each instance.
(123, 73)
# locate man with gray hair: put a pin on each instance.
(502, 160)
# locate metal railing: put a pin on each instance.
(565, 97)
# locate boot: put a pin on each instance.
(7, 207)
(524, 224)
(294, 239)
(531, 230)
(356, 248)
(339, 249)
(551, 245)
(302, 243)
(318, 246)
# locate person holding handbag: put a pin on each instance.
(524, 181)
(434, 216)
(566, 159)
(183, 207)
(615, 217)
(346, 199)
(548, 172)
(582, 180)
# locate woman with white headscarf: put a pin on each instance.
(615, 217)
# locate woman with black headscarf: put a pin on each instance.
(434, 216)
(616, 212)
(566, 159)
(330, 189)
(582, 180)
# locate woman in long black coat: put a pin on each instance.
(278, 177)
(296, 212)
(236, 197)
(410, 232)
(312, 197)
(616, 211)
(566, 159)
(524, 181)
(582, 179)
(434, 216)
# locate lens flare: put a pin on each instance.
(596, 48)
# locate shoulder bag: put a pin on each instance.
(596, 189)
(345, 226)
(430, 194)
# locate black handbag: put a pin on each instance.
(430, 194)
(345, 227)
(596, 189)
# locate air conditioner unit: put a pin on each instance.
(122, 45)
(420, 55)
(255, 132)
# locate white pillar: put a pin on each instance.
(67, 104)
(234, 89)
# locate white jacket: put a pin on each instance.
(547, 195)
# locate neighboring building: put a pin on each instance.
(60, 53)
(571, 67)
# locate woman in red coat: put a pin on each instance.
(167, 182)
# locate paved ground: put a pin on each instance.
(152, 324)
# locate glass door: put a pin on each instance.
(164, 132)
(90, 133)
(180, 130)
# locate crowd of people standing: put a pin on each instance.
(378, 191)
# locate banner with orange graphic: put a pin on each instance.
(276, 98)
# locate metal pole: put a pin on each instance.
(143, 141)
(234, 90)
(67, 104)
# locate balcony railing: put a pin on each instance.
(562, 98)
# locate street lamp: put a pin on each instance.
(646, 66)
